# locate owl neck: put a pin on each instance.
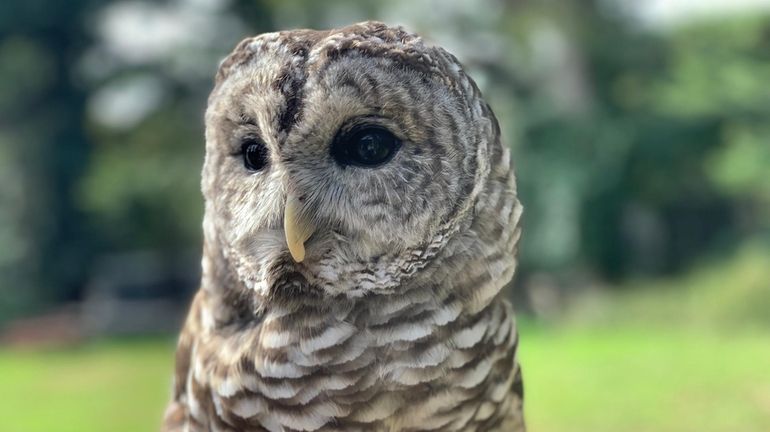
(467, 261)
(450, 277)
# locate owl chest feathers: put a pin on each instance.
(412, 361)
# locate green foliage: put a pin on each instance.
(41, 116)
(742, 167)
(664, 158)
(639, 151)
(143, 189)
(717, 69)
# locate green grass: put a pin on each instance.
(688, 353)
(107, 386)
(685, 354)
(582, 379)
(625, 379)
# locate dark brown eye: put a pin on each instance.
(254, 154)
(365, 146)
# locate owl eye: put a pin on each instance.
(365, 146)
(254, 154)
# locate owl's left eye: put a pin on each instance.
(365, 146)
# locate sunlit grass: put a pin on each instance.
(688, 353)
(116, 387)
(613, 379)
(621, 379)
(679, 355)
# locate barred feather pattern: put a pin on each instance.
(397, 320)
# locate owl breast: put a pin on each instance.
(398, 362)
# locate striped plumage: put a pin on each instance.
(395, 319)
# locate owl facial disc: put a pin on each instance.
(296, 228)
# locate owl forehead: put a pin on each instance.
(373, 39)
(267, 76)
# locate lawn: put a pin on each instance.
(622, 379)
(576, 379)
(106, 386)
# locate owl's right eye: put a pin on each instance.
(254, 154)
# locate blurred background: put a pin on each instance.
(640, 132)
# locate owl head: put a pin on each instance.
(360, 146)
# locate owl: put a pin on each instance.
(361, 220)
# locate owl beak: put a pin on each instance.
(296, 227)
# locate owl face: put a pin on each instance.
(361, 141)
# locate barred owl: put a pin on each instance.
(361, 220)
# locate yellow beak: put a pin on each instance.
(297, 228)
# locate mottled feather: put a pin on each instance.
(395, 320)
